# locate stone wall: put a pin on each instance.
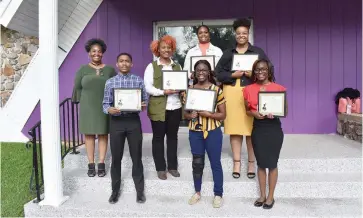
(16, 51)
(350, 126)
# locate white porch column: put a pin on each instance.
(49, 103)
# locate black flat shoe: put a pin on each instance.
(140, 198)
(114, 197)
(101, 169)
(268, 206)
(259, 203)
(91, 170)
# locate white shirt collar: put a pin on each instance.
(210, 47)
(159, 63)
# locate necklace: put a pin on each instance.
(97, 68)
(263, 86)
(95, 64)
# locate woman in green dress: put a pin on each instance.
(88, 90)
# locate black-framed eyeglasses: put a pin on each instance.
(261, 70)
(202, 71)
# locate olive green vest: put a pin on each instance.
(157, 104)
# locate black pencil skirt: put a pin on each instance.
(267, 138)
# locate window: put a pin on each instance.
(185, 32)
(221, 32)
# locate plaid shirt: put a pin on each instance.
(122, 81)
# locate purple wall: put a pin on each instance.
(315, 45)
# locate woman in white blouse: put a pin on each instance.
(164, 107)
(204, 47)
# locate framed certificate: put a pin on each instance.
(201, 100)
(243, 62)
(126, 99)
(195, 59)
(174, 80)
(272, 102)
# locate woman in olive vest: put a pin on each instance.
(165, 107)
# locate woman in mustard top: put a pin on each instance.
(205, 135)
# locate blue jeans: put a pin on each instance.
(213, 145)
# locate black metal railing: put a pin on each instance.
(70, 140)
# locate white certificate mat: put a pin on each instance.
(243, 62)
(195, 59)
(200, 100)
(174, 80)
(272, 103)
(127, 99)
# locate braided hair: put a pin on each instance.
(211, 76)
(270, 73)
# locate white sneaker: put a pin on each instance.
(194, 199)
(217, 201)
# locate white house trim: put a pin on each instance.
(8, 9)
(25, 97)
(52, 166)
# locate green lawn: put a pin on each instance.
(16, 168)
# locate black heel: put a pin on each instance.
(236, 175)
(251, 175)
(91, 170)
(101, 170)
(268, 206)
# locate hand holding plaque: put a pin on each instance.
(272, 103)
(200, 100)
(243, 62)
(127, 99)
(174, 80)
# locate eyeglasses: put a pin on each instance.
(261, 70)
(202, 71)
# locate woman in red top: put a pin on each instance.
(267, 135)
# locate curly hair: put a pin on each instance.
(211, 74)
(93, 42)
(245, 22)
(154, 46)
(270, 74)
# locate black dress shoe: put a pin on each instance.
(91, 170)
(114, 197)
(268, 206)
(174, 173)
(140, 197)
(101, 170)
(259, 203)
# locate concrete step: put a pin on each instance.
(299, 154)
(290, 185)
(328, 165)
(87, 204)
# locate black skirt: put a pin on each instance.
(267, 138)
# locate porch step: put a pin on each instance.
(319, 176)
(299, 154)
(95, 204)
(290, 185)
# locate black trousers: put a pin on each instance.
(122, 127)
(170, 128)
